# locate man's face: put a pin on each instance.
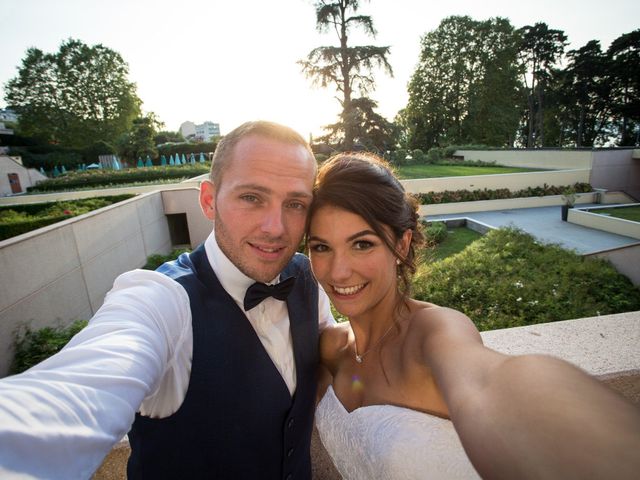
(260, 207)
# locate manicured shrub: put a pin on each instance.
(34, 346)
(418, 156)
(507, 279)
(399, 157)
(155, 260)
(19, 219)
(452, 196)
(434, 155)
(107, 178)
(435, 232)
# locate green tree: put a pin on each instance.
(92, 153)
(139, 142)
(586, 95)
(74, 97)
(371, 131)
(540, 48)
(624, 54)
(348, 68)
(165, 136)
(465, 86)
(494, 105)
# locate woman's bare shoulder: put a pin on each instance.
(334, 340)
(433, 320)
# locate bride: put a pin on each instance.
(412, 392)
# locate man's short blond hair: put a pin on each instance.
(271, 130)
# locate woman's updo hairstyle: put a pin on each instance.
(364, 184)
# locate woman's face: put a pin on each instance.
(352, 263)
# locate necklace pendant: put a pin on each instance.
(358, 358)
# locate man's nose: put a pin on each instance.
(273, 221)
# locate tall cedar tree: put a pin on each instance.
(348, 68)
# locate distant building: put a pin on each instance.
(4, 130)
(203, 132)
(15, 177)
(8, 115)
(188, 130)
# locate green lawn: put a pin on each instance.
(456, 241)
(627, 213)
(433, 171)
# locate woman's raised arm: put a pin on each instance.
(530, 416)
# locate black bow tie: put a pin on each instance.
(259, 291)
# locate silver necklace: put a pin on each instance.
(360, 358)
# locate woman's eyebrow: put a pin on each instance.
(362, 233)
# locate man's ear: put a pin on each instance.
(208, 199)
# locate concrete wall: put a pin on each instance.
(78, 194)
(511, 181)
(505, 204)
(605, 223)
(554, 159)
(61, 273)
(611, 169)
(186, 200)
(616, 170)
(626, 260)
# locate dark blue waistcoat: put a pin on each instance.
(238, 419)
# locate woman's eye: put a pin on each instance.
(318, 248)
(362, 245)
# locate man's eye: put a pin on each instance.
(297, 205)
(250, 198)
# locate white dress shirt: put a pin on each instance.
(60, 418)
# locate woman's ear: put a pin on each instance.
(404, 243)
(208, 199)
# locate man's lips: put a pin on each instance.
(268, 251)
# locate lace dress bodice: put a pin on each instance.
(389, 442)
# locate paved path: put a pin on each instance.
(545, 224)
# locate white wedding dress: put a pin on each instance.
(389, 442)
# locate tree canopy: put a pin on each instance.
(484, 82)
(74, 97)
(348, 68)
(465, 88)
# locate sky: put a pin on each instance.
(232, 61)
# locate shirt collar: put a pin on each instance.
(230, 277)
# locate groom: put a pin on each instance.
(221, 372)
(249, 405)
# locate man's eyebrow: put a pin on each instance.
(262, 188)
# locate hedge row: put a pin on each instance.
(452, 196)
(19, 219)
(8, 230)
(95, 178)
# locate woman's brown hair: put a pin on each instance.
(365, 184)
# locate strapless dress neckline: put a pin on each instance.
(390, 442)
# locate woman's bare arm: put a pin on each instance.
(529, 416)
